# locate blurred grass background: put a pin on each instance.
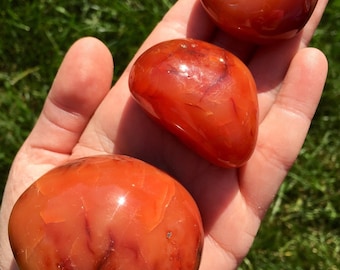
(302, 228)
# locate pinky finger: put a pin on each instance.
(284, 129)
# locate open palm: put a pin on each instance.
(81, 117)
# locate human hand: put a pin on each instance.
(81, 117)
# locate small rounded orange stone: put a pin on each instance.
(201, 93)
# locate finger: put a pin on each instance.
(270, 63)
(283, 131)
(83, 80)
(186, 18)
(269, 66)
(313, 22)
(76, 91)
(81, 83)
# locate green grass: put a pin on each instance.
(301, 230)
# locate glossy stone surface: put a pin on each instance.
(106, 212)
(260, 21)
(201, 93)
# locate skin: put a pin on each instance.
(81, 117)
